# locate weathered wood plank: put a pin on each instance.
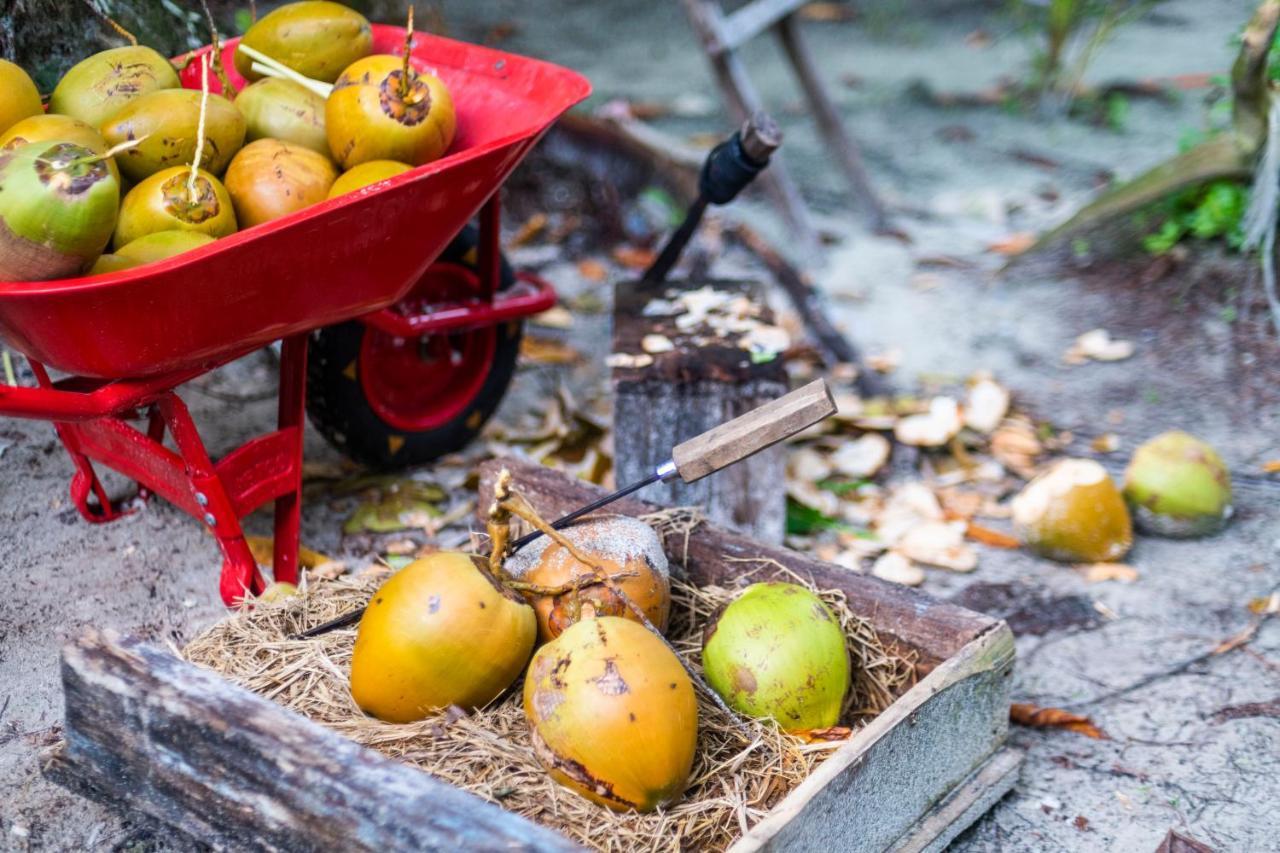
(688, 391)
(934, 629)
(239, 772)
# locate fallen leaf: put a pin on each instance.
(263, 549)
(555, 317)
(808, 465)
(1099, 572)
(592, 270)
(827, 735)
(537, 349)
(1175, 842)
(1271, 466)
(993, 538)
(895, 568)
(532, 227)
(1081, 823)
(827, 12)
(885, 362)
(396, 503)
(1108, 442)
(863, 457)
(628, 360)
(634, 258)
(1026, 714)
(1014, 244)
(1267, 604)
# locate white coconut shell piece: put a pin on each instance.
(985, 405)
(933, 428)
(895, 568)
(863, 457)
(939, 543)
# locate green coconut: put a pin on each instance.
(19, 97)
(56, 128)
(167, 124)
(1178, 486)
(777, 651)
(163, 202)
(96, 88)
(274, 108)
(58, 204)
(316, 39)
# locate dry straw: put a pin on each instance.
(735, 781)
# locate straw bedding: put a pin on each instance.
(735, 782)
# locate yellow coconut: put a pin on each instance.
(371, 116)
(316, 39)
(56, 128)
(1073, 512)
(166, 123)
(163, 202)
(612, 714)
(365, 174)
(96, 88)
(625, 547)
(19, 97)
(439, 632)
(274, 108)
(269, 179)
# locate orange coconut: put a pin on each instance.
(371, 116)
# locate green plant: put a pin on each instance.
(1070, 33)
(1211, 212)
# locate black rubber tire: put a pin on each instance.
(339, 410)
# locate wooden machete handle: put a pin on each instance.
(759, 428)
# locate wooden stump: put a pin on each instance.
(685, 392)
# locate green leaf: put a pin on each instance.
(803, 520)
(842, 487)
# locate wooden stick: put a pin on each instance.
(519, 506)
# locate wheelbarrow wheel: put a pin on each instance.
(389, 402)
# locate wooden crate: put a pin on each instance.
(149, 732)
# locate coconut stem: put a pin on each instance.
(204, 106)
(520, 507)
(215, 48)
(571, 586)
(271, 68)
(499, 525)
(105, 155)
(110, 22)
(408, 42)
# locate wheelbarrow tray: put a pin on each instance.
(210, 759)
(322, 265)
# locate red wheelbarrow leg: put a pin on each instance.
(239, 570)
(288, 520)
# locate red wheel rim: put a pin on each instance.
(417, 384)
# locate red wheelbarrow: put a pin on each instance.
(427, 316)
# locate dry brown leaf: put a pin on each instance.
(262, 548)
(1014, 244)
(827, 735)
(540, 350)
(634, 258)
(1026, 714)
(1099, 572)
(592, 270)
(1176, 842)
(532, 227)
(1271, 466)
(992, 538)
(1108, 442)
(827, 12)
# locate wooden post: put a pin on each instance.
(686, 392)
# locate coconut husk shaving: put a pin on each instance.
(735, 780)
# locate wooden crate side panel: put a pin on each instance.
(239, 772)
(871, 792)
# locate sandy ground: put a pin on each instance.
(1170, 762)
